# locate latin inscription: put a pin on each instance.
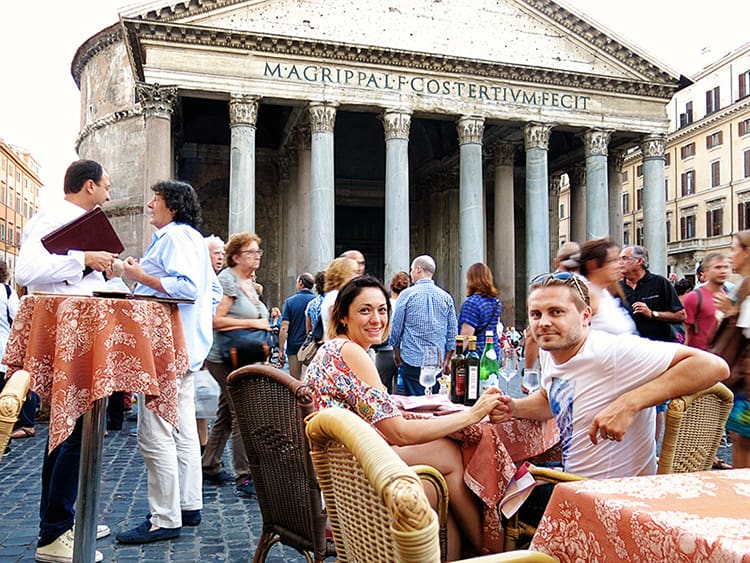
(317, 74)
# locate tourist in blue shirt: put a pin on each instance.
(176, 264)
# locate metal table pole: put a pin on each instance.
(84, 544)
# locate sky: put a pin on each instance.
(40, 104)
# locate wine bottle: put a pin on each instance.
(488, 365)
(472, 373)
(458, 372)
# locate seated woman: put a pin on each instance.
(342, 374)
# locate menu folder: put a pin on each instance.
(90, 231)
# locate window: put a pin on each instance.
(744, 84)
(2, 232)
(669, 230)
(687, 117)
(712, 100)
(688, 183)
(639, 234)
(743, 215)
(746, 157)
(714, 139)
(10, 236)
(639, 170)
(639, 198)
(626, 202)
(625, 173)
(687, 227)
(715, 173)
(714, 218)
(562, 211)
(18, 204)
(687, 151)
(626, 235)
(666, 189)
(18, 237)
(667, 158)
(743, 128)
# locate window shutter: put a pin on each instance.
(709, 227)
(741, 216)
(743, 85)
(682, 227)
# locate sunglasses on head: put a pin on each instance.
(568, 277)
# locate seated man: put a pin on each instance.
(599, 386)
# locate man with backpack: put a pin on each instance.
(699, 305)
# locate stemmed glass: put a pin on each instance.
(531, 380)
(509, 368)
(431, 364)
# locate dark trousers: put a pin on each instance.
(116, 410)
(60, 487)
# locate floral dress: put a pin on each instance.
(334, 384)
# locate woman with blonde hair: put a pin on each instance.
(338, 272)
(736, 306)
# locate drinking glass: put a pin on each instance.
(429, 369)
(531, 380)
(509, 369)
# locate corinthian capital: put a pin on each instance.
(322, 117)
(470, 130)
(595, 142)
(577, 176)
(536, 135)
(616, 160)
(504, 153)
(652, 147)
(156, 100)
(396, 124)
(243, 110)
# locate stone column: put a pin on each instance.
(554, 212)
(595, 143)
(304, 160)
(289, 199)
(243, 113)
(654, 205)
(396, 125)
(471, 199)
(615, 162)
(322, 185)
(536, 139)
(578, 203)
(505, 230)
(158, 104)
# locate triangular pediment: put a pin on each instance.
(529, 33)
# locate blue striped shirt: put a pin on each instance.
(425, 316)
(482, 313)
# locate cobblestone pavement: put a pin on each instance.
(229, 531)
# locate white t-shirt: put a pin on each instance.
(607, 366)
(326, 307)
(610, 317)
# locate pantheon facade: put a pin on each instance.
(397, 128)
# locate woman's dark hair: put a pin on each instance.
(79, 172)
(400, 282)
(595, 250)
(320, 283)
(683, 286)
(479, 280)
(4, 272)
(181, 198)
(347, 294)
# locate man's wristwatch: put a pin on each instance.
(655, 314)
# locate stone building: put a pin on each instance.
(397, 128)
(19, 195)
(707, 166)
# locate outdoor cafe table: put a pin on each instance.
(681, 517)
(491, 453)
(79, 350)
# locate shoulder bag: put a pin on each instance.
(729, 343)
(312, 342)
(244, 346)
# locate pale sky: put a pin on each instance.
(40, 105)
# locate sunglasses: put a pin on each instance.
(569, 278)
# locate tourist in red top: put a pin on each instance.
(699, 305)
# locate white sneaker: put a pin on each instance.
(102, 531)
(61, 550)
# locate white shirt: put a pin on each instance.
(38, 270)
(610, 317)
(605, 367)
(326, 307)
(9, 305)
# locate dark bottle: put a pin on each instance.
(458, 372)
(472, 373)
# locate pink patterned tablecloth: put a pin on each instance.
(684, 517)
(80, 349)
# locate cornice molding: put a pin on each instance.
(92, 47)
(661, 87)
(110, 119)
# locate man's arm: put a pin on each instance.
(283, 333)
(691, 370)
(534, 407)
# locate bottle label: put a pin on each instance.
(472, 391)
(460, 382)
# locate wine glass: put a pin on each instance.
(509, 369)
(429, 368)
(531, 380)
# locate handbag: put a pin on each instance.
(312, 342)
(207, 392)
(729, 343)
(244, 346)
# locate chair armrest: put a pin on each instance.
(432, 475)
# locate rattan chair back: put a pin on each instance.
(694, 425)
(12, 398)
(271, 407)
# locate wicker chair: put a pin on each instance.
(11, 400)
(694, 426)
(271, 407)
(375, 502)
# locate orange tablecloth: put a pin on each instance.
(685, 517)
(491, 452)
(80, 349)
